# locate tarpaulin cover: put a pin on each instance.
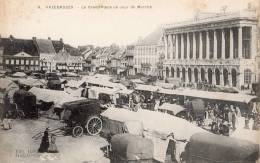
(235, 97)
(75, 83)
(218, 148)
(95, 91)
(154, 121)
(131, 147)
(149, 88)
(58, 97)
(172, 107)
(158, 121)
(102, 81)
(32, 82)
(19, 74)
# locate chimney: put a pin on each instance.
(49, 38)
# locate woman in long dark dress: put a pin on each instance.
(45, 142)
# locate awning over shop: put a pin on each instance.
(234, 97)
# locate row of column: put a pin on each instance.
(216, 78)
(172, 47)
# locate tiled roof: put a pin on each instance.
(45, 46)
(58, 45)
(64, 57)
(13, 46)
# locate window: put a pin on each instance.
(32, 62)
(27, 62)
(12, 61)
(17, 61)
(247, 75)
(36, 62)
(22, 62)
(7, 61)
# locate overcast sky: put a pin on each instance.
(24, 19)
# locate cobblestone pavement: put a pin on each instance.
(17, 145)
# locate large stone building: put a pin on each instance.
(147, 53)
(18, 54)
(129, 57)
(219, 49)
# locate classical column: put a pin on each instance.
(223, 44)
(186, 76)
(194, 45)
(253, 42)
(199, 75)
(182, 46)
(192, 75)
(231, 46)
(201, 46)
(176, 46)
(166, 45)
(240, 53)
(188, 46)
(241, 81)
(206, 75)
(221, 77)
(207, 45)
(213, 77)
(215, 53)
(229, 78)
(171, 47)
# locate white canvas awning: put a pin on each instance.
(172, 107)
(149, 88)
(57, 97)
(32, 82)
(156, 122)
(222, 96)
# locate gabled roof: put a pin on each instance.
(58, 45)
(45, 46)
(22, 54)
(12, 46)
(64, 57)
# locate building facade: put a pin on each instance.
(63, 61)
(219, 49)
(129, 58)
(18, 54)
(146, 53)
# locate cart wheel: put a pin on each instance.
(93, 125)
(77, 131)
